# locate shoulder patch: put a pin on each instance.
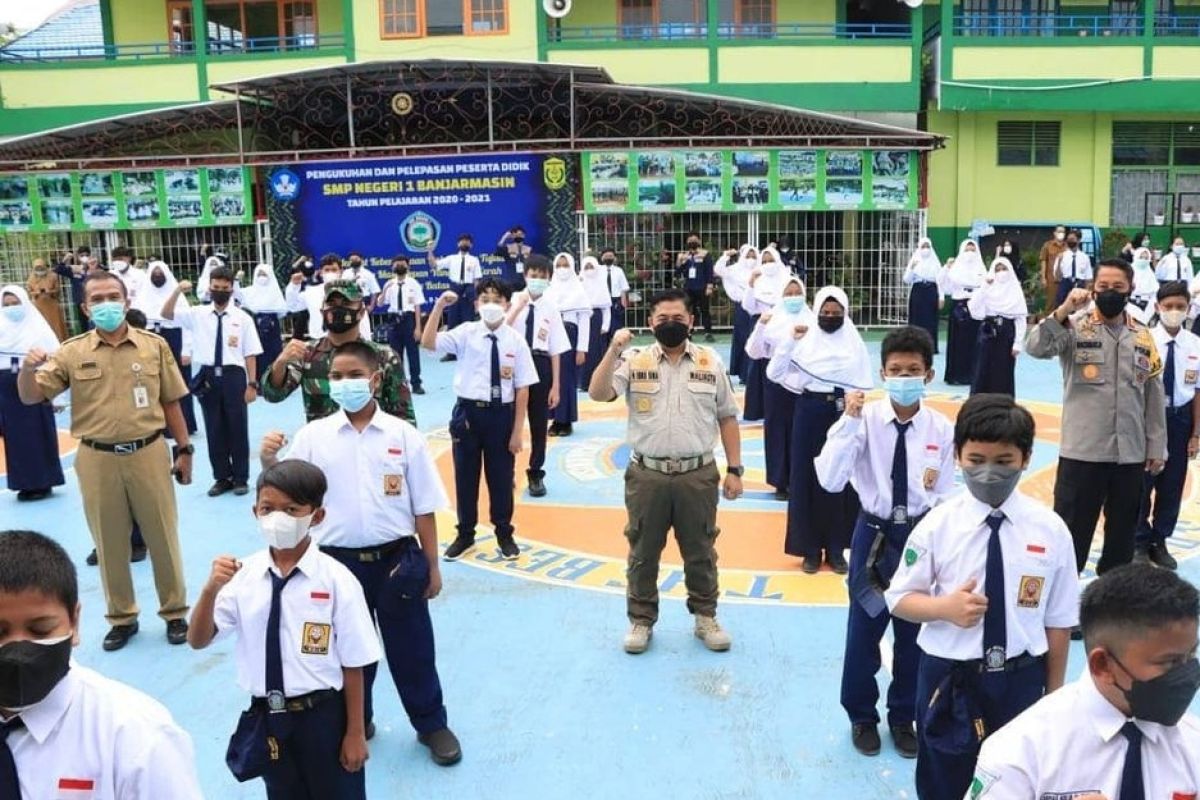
(982, 781)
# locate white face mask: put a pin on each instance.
(1007, 249)
(261, 280)
(120, 266)
(1173, 319)
(771, 268)
(492, 314)
(283, 531)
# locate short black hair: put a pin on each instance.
(909, 339)
(1174, 289)
(692, 233)
(539, 263)
(353, 253)
(221, 274)
(303, 482)
(516, 228)
(399, 257)
(493, 284)
(1117, 263)
(33, 561)
(608, 250)
(360, 350)
(331, 258)
(102, 275)
(1133, 600)
(670, 296)
(466, 236)
(83, 251)
(136, 318)
(994, 418)
(121, 252)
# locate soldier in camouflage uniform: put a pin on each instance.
(306, 364)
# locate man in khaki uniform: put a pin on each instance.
(1047, 259)
(125, 389)
(679, 398)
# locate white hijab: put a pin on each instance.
(768, 289)
(1145, 282)
(745, 262)
(265, 298)
(839, 359)
(1003, 295)
(926, 265)
(18, 338)
(782, 323)
(968, 270)
(594, 285)
(566, 288)
(151, 299)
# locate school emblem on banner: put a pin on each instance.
(554, 173)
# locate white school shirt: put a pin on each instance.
(1075, 265)
(734, 279)
(1187, 362)
(1174, 268)
(402, 297)
(859, 451)
(460, 267)
(949, 547)
(766, 338)
(618, 281)
(237, 329)
(782, 370)
(470, 342)
(368, 284)
(549, 333)
(95, 738)
(1069, 744)
(324, 624)
(293, 297)
(380, 480)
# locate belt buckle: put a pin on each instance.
(368, 556)
(840, 404)
(218, 371)
(276, 702)
(994, 659)
(125, 448)
(900, 515)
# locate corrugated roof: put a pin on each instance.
(75, 30)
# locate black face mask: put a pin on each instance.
(158, 280)
(830, 324)
(401, 272)
(220, 296)
(340, 319)
(1072, 245)
(1111, 302)
(1166, 698)
(518, 239)
(671, 333)
(464, 248)
(609, 261)
(29, 671)
(693, 245)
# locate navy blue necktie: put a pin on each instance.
(995, 634)
(496, 394)
(10, 786)
(529, 327)
(900, 470)
(219, 347)
(1169, 375)
(1132, 785)
(274, 649)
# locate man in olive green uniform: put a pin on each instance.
(679, 398)
(306, 364)
(125, 389)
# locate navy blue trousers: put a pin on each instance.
(567, 410)
(1167, 486)
(739, 362)
(860, 692)
(1001, 696)
(395, 591)
(617, 322)
(779, 405)
(756, 380)
(923, 308)
(1064, 288)
(30, 440)
(174, 338)
(961, 337)
(995, 365)
(310, 748)
(226, 427)
(480, 441)
(464, 309)
(595, 352)
(271, 338)
(816, 519)
(402, 336)
(539, 413)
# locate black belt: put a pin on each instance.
(123, 448)
(1180, 410)
(369, 555)
(828, 397)
(887, 522)
(1011, 665)
(483, 403)
(540, 354)
(305, 702)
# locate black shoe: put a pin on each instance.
(1077, 634)
(220, 487)
(93, 559)
(865, 737)
(837, 562)
(904, 737)
(418, 389)
(554, 430)
(370, 731)
(31, 495)
(138, 554)
(177, 631)
(443, 747)
(448, 357)
(537, 487)
(1141, 554)
(708, 337)
(240, 489)
(565, 430)
(508, 548)
(1159, 555)
(781, 495)
(119, 636)
(812, 565)
(457, 548)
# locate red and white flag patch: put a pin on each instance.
(76, 788)
(319, 597)
(1036, 548)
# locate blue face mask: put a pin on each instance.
(108, 316)
(351, 394)
(905, 392)
(14, 313)
(537, 286)
(793, 304)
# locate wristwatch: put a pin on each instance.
(252, 384)
(185, 450)
(737, 472)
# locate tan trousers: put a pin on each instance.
(656, 503)
(117, 490)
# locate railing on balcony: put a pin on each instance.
(1045, 24)
(728, 31)
(1177, 25)
(276, 44)
(139, 52)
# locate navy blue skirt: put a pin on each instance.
(779, 406)
(994, 362)
(567, 410)
(595, 352)
(756, 381)
(817, 520)
(923, 308)
(960, 345)
(739, 362)
(30, 440)
(272, 341)
(174, 337)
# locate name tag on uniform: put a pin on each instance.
(315, 641)
(141, 397)
(393, 485)
(691, 273)
(520, 267)
(231, 341)
(506, 373)
(1029, 595)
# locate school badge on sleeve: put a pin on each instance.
(912, 554)
(1029, 595)
(315, 641)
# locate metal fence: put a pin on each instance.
(863, 252)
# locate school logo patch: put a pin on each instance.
(393, 485)
(315, 641)
(1030, 593)
(982, 781)
(929, 479)
(643, 405)
(912, 554)
(554, 173)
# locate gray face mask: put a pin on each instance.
(991, 484)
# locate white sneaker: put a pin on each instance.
(638, 638)
(709, 631)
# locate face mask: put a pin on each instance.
(1059, 236)
(924, 251)
(401, 272)
(537, 286)
(794, 304)
(464, 248)
(830, 324)
(1172, 319)
(492, 314)
(283, 531)
(330, 275)
(14, 313)
(589, 273)
(108, 316)
(1007, 249)
(991, 484)
(355, 263)
(609, 261)
(672, 333)
(905, 391)
(770, 269)
(41, 270)
(518, 239)
(340, 319)
(159, 280)
(563, 272)
(1003, 277)
(693, 245)
(1141, 264)
(351, 394)
(1111, 302)
(1072, 245)
(261, 280)
(220, 296)
(1179, 249)
(1166, 698)
(30, 669)
(119, 266)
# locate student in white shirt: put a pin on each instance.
(925, 295)
(763, 292)
(1073, 268)
(491, 380)
(591, 277)
(999, 306)
(403, 298)
(618, 288)
(990, 576)
(961, 277)
(898, 454)
(1145, 287)
(735, 280)
(226, 349)
(314, 297)
(306, 683)
(1175, 265)
(160, 283)
(567, 293)
(1163, 494)
(121, 264)
(263, 299)
(293, 296)
(463, 270)
(357, 270)
(67, 730)
(1121, 731)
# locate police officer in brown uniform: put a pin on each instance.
(125, 389)
(679, 398)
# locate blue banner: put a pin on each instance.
(384, 208)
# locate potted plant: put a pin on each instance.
(1187, 215)
(1160, 219)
